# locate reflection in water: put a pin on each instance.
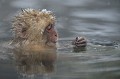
(35, 63)
(77, 50)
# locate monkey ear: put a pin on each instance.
(24, 30)
(23, 33)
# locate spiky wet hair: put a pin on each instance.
(30, 24)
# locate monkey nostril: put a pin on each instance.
(56, 35)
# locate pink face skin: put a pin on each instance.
(51, 34)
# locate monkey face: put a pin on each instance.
(51, 35)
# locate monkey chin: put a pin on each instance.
(51, 44)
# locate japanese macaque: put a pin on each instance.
(35, 40)
(35, 30)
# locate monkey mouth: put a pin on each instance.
(52, 43)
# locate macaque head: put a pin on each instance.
(35, 27)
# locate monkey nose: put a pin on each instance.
(55, 35)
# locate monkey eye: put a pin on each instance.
(49, 27)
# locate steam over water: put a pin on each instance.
(96, 20)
